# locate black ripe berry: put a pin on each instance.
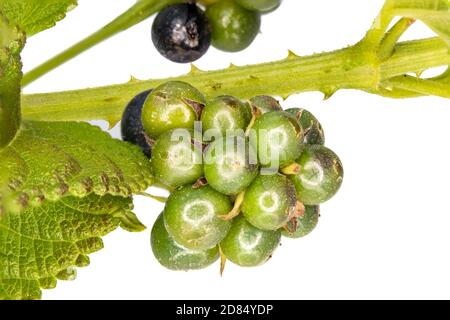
(181, 33)
(131, 126)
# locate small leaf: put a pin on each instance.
(57, 159)
(43, 244)
(33, 16)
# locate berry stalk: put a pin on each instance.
(136, 14)
(356, 67)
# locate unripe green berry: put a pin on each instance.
(174, 256)
(172, 105)
(320, 176)
(230, 165)
(248, 246)
(311, 126)
(233, 27)
(270, 202)
(303, 225)
(225, 115)
(177, 158)
(192, 217)
(259, 5)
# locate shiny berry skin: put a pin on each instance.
(230, 165)
(233, 27)
(304, 224)
(311, 126)
(192, 217)
(207, 3)
(259, 5)
(131, 126)
(177, 159)
(270, 202)
(279, 138)
(181, 32)
(223, 115)
(248, 246)
(320, 177)
(265, 104)
(176, 257)
(172, 105)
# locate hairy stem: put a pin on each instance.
(392, 37)
(422, 86)
(11, 44)
(350, 68)
(136, 14)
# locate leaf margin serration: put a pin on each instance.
(75, 231)
(50, 160)
(34, 16)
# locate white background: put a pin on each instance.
(385, 235)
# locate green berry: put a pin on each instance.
(176, 257)
(311, 126)
(259, 5)
(265, 104)
(192, 217)
(320, 176)
(248, 246)
(207, 3)
(279, 138)
(230, 165)
(270, 202)
(233, 27)
(225, 114)
(304, 224)
(177, 159)
(172, 105)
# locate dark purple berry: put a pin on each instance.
(181, 33)
(131, 126)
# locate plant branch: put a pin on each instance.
(392, 37)
(11, 44)
(420, 86)
(350, 68)
(136, 14)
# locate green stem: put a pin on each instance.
(236, 208)
(350, 68)
(381, 24)
(136, 14)
(392, 37)
(11, 44)
(151, 196)
(421, 86)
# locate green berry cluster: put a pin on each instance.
(242, 175)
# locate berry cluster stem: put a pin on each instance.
(11, 44)
(356, 67)
(136, 14)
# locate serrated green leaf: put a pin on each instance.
(43, 244)
(33, 16)
(50, 160)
